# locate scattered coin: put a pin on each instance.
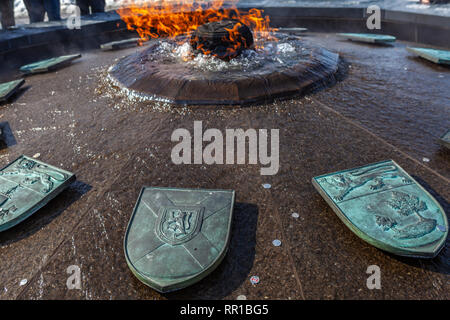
(254, 279)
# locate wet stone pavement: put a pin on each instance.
(71, 118)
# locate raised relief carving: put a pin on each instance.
(32, 172)
(405, 205)
(5, 207)
(376, 177)
(25, 186)
(385, 206)
(177, 225)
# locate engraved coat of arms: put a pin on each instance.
(177, 225)
(385, 206)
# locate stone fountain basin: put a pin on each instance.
(147, 75)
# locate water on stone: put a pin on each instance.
(277, 54)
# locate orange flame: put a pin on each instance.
(234, 37)
(171, 18)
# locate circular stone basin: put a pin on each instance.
(170, 70)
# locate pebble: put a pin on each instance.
(426, 160)
(295, 215)
(241, 297)
(23, 282)
(37, 155)
(276, 243)
(267, 186)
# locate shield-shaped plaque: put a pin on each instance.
(121, 44)
(176, 237)
(49, 64)
(7, 89)
(445, 140)
(433, 55)
(367, 37)
(292, 30)
(385, 206)
(26, 185)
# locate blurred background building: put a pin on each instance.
(439, 7)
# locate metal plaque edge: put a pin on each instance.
(444, 142)
(60, 65)
(20, 83)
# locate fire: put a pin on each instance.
(172, 18)
(234, 37)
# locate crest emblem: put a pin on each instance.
(385, 206)
(26, 185)
(176, 237)
(179, 224)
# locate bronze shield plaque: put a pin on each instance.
(176, 237)
(49, 64)
(383, 205)
(26, 185)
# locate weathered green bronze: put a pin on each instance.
(445, 140)
(122, 44)
(368, 37)
(26, 185)
(176, 237)
(433, 55)
(7, 89)
(386, 207)
(49, 64)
